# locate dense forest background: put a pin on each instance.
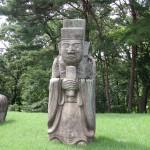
(119, 33)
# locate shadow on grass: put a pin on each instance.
(105, 143)
(7, 122)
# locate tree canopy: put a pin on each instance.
(120, 42)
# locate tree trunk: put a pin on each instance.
(132, 71)
(107, 87)
(85, 6)
(18, 99)
(131, 84)
(137, 94)
(143, 101)
(117, 94)
(14, 95)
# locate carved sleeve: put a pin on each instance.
(55, 68)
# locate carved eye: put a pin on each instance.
(66, 45)
(76, 45)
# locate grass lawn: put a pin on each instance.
(28, 131)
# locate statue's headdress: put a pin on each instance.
(73, 29)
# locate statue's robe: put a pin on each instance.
(71, 122)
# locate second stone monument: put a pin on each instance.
(3, 107)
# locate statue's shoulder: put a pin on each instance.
(56, 59)
(55, 67)
(58, 68)
(91, 68)
(86, 68)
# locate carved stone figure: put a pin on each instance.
(71, 107)
(3, 107)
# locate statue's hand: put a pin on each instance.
(69, 84)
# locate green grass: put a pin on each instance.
(28, 131)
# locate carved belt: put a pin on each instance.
(70, 100)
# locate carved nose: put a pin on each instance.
(70, 50)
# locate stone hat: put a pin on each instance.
(72, 34)
(73, 29)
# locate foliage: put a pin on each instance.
(33, 32)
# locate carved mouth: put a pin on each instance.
(71, 56)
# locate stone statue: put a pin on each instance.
(3, 107)
(71, 107)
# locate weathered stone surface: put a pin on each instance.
(3, 107)
(71, 107)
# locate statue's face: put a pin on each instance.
(72, 51)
